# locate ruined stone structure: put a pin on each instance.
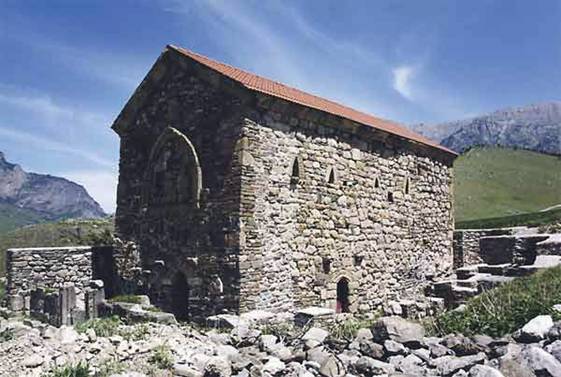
(242, 193)
(52, 268)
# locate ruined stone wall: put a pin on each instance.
(184, 222)
(467, 249)
(50, 267)
(300, 237)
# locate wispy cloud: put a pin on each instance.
(47, 144)
(291, 50)
(47, 109)
(101, 184)
(119, 69)
(402, 80)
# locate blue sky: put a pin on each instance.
(68, 67)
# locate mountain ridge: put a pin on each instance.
(49, 197)
(535, 127)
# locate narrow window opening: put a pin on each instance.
(331, 177)
(342, 296)
(377, 183)
(407, 186)
(295, 176)
(358, 260)
(326, 265)
(390, 196)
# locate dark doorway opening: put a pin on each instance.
(342, 296)
(180, 297)
(103, 268)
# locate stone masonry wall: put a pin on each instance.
(384, 222)
(467, 250)
(182, 214)
(50, 267)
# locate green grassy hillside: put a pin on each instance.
(496, 182)
(12, 217)
(62, 233)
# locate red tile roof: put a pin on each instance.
(276, 89)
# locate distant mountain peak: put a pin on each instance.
(535, 127)
(52, 198)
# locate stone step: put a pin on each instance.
(495, 269)
(467, 283)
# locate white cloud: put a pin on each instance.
(402, 80)
(100, 184)
(45, 143)
(48, 110)
(116, 68)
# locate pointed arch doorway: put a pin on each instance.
(343, 302)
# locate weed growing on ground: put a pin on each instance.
(504, 309)
(69, 370)
(132, 299)
(6, 335)
(108, 326)
(162, 357)
(110, 367)
(135, 333)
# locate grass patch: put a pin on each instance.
(2, 290)
(137, 332)
(347, 330)
(70, 370)
(283, 330)
(496, 182)
(132, 299)
(110, 367)
(162, 357)
(6, 335)
(102, 326)
(505, 309)
(536, 219)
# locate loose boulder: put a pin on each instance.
(399, 330)
(535, 330)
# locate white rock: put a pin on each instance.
(90, 333)
(316, 334)
(273, 365)
(33, 361)
(66, 335)
(537, 328)
(484, 371)
(186, 371)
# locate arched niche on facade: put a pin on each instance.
(173, 175)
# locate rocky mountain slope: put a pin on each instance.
(47, 197)
(535, 127)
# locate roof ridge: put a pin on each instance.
(264, 85)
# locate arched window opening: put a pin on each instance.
(390, 196)
(295, 175)
(377, 183)
(180, 297)
(326, 265)
(342, 296)
(407, 186)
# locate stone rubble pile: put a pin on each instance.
(391, 346)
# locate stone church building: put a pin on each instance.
(243, 193)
